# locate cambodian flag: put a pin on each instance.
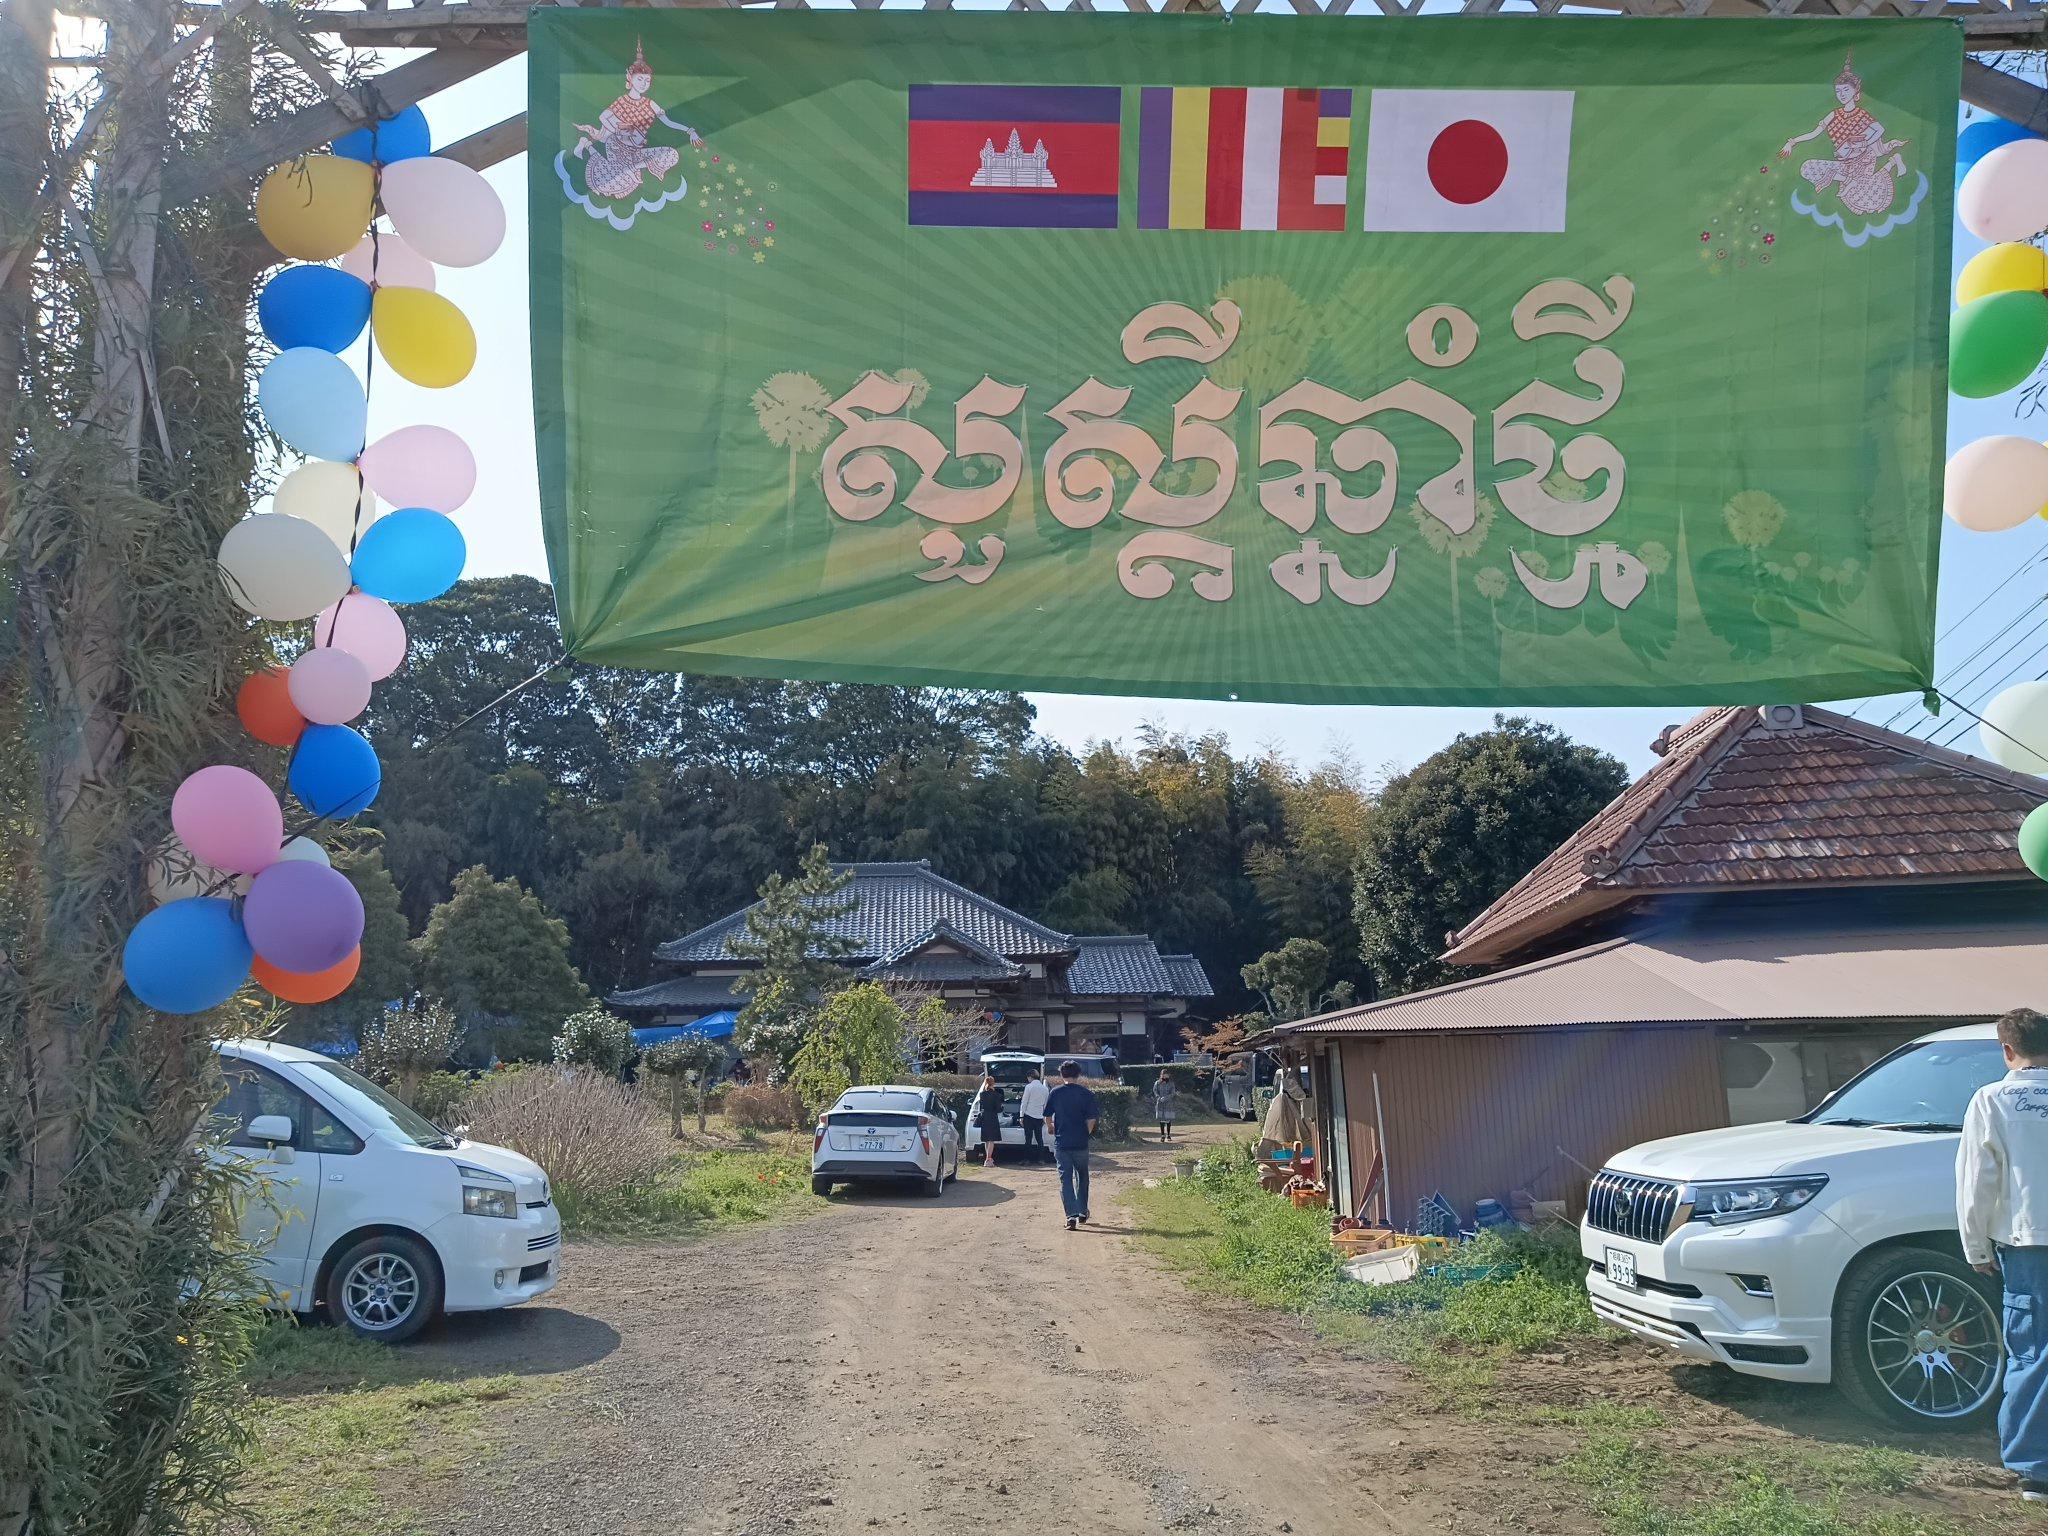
(1015, 156)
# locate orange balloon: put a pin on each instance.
(308, 987)
(264, 702)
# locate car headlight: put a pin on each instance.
(1728, 1201)
(480, 1201)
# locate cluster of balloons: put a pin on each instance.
(236, 896)
(1999, 333)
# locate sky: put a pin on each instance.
(1991, 585)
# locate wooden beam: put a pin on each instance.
(2008, 96)
(481, 150)
(298, 133)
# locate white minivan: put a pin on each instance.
(370, 1209)
(1817, 1249)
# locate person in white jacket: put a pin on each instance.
(1031, 1115)
(2002, 1208)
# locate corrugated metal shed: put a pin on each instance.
(1785, 797)
(1670, 974)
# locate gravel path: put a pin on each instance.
(963, 1364)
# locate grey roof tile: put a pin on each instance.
(1119, 965)
(681, 993)
(1187, 975)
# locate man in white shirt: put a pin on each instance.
(2002, 1208)
(1031, 1115)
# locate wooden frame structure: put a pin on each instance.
(466, 37)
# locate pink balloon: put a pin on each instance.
(302, 916)
(420, 467)
(228, 818)
(329, 686)
(396, 264)
(368, 628)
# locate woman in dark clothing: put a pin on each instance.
(988, 1115)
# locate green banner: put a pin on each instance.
(1442, 361)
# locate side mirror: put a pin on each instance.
(271, 1130)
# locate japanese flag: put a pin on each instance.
(1468, 161)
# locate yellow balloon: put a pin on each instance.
(2002, 269)
(423, 337)
(317, 208)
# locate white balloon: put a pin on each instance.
(304, 848)
(1995, 483)
(2005, 195)
(331, 496)
(443, 210)
(174, 874)
(282, 568)
(2015, 728)
(396, 264)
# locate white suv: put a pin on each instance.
(1818, 1249)
(372, 1210)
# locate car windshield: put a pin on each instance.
(374, 1109)
(1924, 1087)
(883, 1101)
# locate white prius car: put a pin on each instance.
(371, 1210)
(1820, 1249)
(885, 1133)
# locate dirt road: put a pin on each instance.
(964, 1364)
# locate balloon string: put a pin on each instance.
(1987, 725)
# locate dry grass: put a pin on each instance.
(593, 1135)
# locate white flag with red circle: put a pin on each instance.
(1493, 162)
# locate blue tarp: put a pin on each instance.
(714, 1026)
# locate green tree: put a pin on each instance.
(859, 1035)
(790, 938)
(385, 975)
(1448, 837)
(596, 1038)
(1293, 981)
(501, 961)
(679, 1063)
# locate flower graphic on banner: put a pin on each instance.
(1753, 519)
(1863, 173)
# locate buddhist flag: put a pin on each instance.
(1237, 157)
(1489, 162)
(1015, 156)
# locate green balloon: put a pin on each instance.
(1995, 342)
(2034, 840)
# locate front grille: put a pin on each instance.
(1644, 1282)
(536, 1244)
(533, 1272)
(1629, 1205)
(1767, 1354)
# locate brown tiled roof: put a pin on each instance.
(1781, 796)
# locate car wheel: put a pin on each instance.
(1917, 1340)
(385, 1288)
(820, 1186)
(935, 1186)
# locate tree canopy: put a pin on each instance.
(1450, 836)
(502, 962)
(790, 938)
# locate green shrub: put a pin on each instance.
(440, 1096)
(1117, 1101)
(595, 1038)
(1191, 1082)
(763, 1107)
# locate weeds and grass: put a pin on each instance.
(1810, 1491)
(351, 1425)
(697, 1192)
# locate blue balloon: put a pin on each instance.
(334, 771)
(404, 137)
(313, 400)
(187, 956)
(1982, 137)
(409, 556)
(320, 307)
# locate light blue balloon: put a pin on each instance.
(409, 556)
(313, 400)
(404, 137)
(1982, 137)
(320, 307)
(334, 771)
(187, 956)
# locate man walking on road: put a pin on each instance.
(1073, 1111)
(1031, 1115)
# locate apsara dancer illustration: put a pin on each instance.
(1865, 170)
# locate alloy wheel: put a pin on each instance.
(380, 1292)
(1934, 1344)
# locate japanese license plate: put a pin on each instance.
(873, 1143)
(1621, 1269)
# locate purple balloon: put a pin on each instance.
(302, 916)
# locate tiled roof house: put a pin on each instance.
(1042, 989)
(1788, 894)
